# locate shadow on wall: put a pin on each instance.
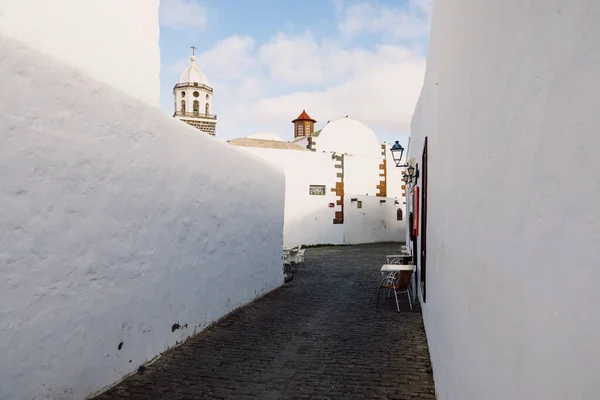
(374, 222)
(370, 219)
(123, 226)
(315, 228)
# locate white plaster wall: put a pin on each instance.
(513, 285)
(361, 174)
(115, 41)
(116, 223)
(303, 142)
(348, 136)
(374, 222)
(308, 218)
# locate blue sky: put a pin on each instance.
(269, 59)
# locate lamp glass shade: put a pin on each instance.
(411, 171)
(397, 151)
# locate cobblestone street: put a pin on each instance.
(318, 337)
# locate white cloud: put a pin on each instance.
(231, 58)
(408, 22)
(426, 6)
(228, 60)
(236, 74)
(379, 87)
(182, 14)
(382, 92)
(302, 60)
(263, 87)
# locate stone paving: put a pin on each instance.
(318, 337)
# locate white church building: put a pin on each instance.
(342, 186)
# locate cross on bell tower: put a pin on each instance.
(193, 50)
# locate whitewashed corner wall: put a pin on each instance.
(302, 142)
(308, 219)
(124, 231)
(510, 108)
(375, 221)
(114, 41)
(361, 174)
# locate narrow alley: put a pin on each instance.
(318, 337)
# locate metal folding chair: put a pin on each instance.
(398, 283)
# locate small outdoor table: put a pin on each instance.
(397, 268)
(402, 257)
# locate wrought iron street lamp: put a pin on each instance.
(412, 173)
(397, 151)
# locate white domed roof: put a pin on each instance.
(349, 136)
(265, 136)
(193, 74)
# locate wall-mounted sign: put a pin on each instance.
(316, 190)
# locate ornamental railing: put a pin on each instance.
(194, 114)
(193, 85)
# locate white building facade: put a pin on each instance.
(505, 138)
(337, 187)
(122, 228)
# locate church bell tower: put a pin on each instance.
(193, 99)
